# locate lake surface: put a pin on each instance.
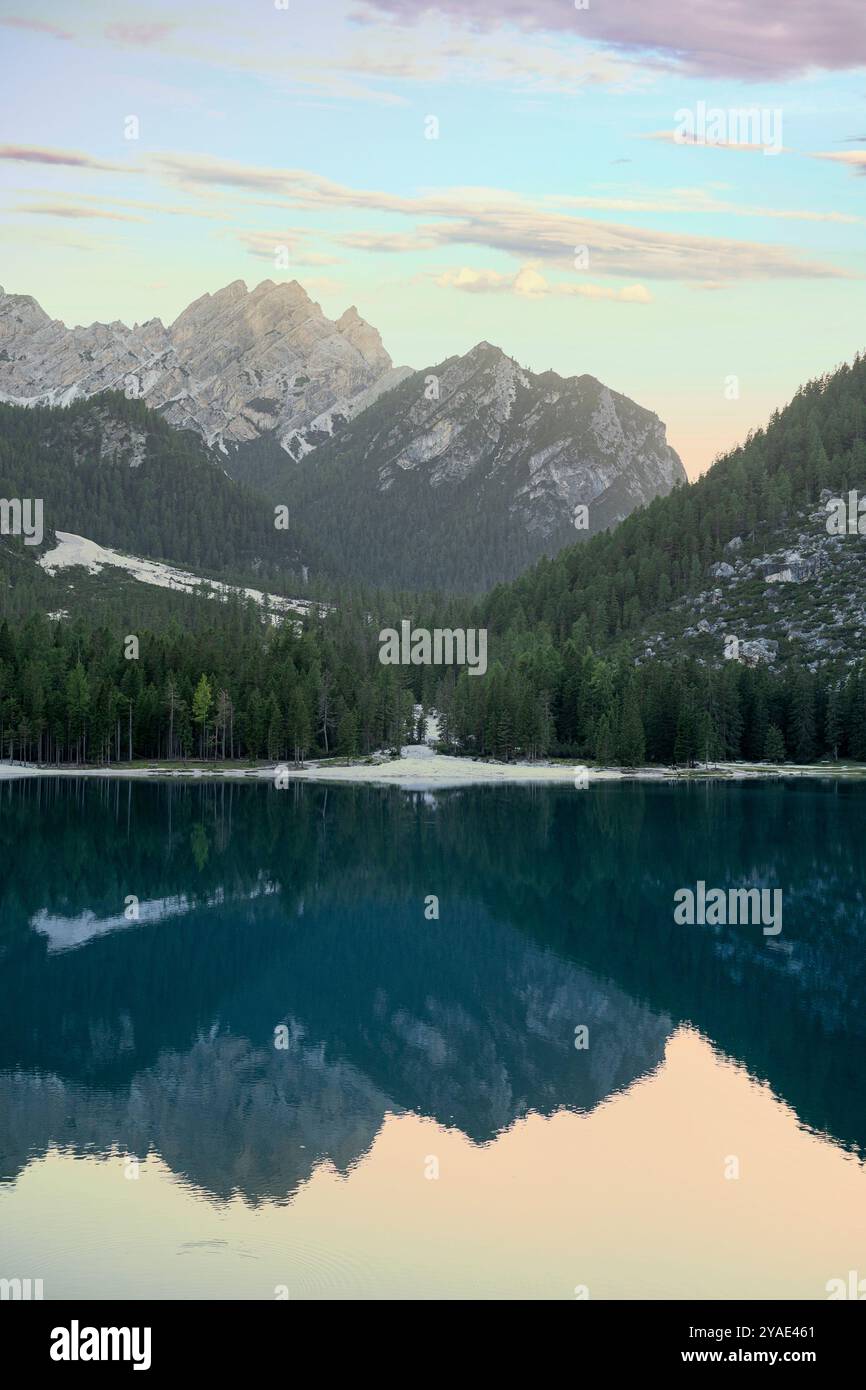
(278, 1074)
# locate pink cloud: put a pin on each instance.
(719, 38)
(34, 154)
(39, 26)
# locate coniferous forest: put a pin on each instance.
(566, 676)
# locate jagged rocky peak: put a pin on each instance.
(267, 304)
(17, 310)
(364, 338)
(233, 365)
(485, 349)
(563, 441)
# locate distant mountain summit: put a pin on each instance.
(232, 366)
(465, 473)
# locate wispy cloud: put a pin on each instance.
(268, 245)
(505, 221)
(698, 201)
(617, 250)
(35, 154)
(672, 137)
(38, 26)
(530, 67)
(73, 211)
(855, 159)
(529, 283)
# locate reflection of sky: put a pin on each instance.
(548, 139)
(631, 1200)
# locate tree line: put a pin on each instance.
(241, 690)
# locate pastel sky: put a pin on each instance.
(564, 210)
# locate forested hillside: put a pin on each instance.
(111, 469)
(620, 582)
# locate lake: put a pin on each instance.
(352, 1042)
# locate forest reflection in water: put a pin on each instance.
(152, 1032)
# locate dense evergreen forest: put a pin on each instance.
(111, 469)
(240, 690)
(563, 678)
(346, 526)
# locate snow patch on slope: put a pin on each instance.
(74, 551)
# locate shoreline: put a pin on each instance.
(423, 770)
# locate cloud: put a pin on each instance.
(166, 209)
(500, 220)
(137, 204)
(673, 137)
(699, 201)
(38, 26)
(629, 294)
(34, 154)
(71, 210)
(530, 284)
(298, 186)
(855, 159)
(267, 245)
(616, 250)
(476, 281)
(739, 38)
(388, 243)
(530, 67)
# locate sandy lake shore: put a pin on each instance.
(420, 768)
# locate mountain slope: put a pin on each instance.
(754, 527)
(232, 365)
(465, 473)
(111, 469)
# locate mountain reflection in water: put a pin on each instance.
(305, 907)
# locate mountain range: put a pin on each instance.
(456, 476)
(232, 366)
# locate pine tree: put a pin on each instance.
(834, 726)
(774, 748)
(603, 741)
(201, 707)
(801, 717)
(347, 735)
(631, 741)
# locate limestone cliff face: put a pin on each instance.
(553, 443)
(462, 475)
(232, 366)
